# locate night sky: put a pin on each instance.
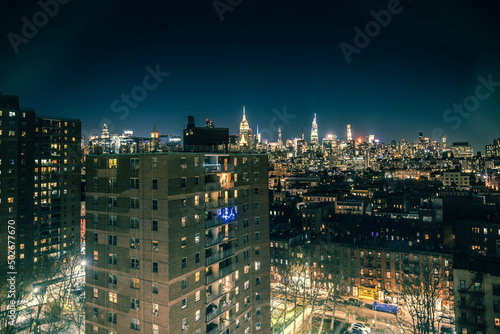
(266, 55)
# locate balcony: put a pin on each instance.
(213, 222)
(464, 321)
(219, 256)
(471, 307)
(212, 168)
(220, 238)
(223, 307)
(225, 323)
(224, 289)
(225, 168)
(226, 271)
(227, 185)
(221, 273)
(212, 186)
(215, 330)
(219, 203)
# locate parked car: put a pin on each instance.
(447, 330)
(446, 319)
(359, 327)
(355, 302)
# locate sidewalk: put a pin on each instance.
(298, 321)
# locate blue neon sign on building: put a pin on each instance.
(227, 214)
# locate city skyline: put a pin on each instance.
(208, 63)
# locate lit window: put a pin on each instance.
(113, 298)
(134, 283)
(155, 310)
(112, 163)
(257, 265)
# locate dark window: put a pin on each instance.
(112, 279)
(134, 163)
(112, 240)
(134, 263)
(134, 183)
(154, 225)
(184, 283)
(154, 184)
(112, 317)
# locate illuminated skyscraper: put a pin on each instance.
(245, 135)
(314, 131)
(155, 140)
(280, 141)
(349, 133)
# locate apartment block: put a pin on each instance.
(477, 294)
(177, 243)
(40, 184)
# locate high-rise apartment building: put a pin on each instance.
(40, 184)
(177, 243)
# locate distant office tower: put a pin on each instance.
(154, 144)
(280, 140)
(371, 139)
(177, 243)
(349, 133)
(420, 137)
(493, 150)
(462, 150)
(314, 132)
(245, 132)
(40, 184)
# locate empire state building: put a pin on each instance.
(245, 132)
(314, 131)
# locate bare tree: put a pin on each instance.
(421, 286)
(333, 283)
(57, 296)
(12, 294)
(290, 288)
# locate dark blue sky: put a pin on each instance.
(266, 55)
